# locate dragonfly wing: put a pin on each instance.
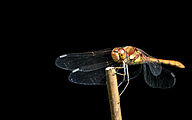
(94, 67)
(73, 61)
(164, 80)
(134, 71)
(96, 77)
(155, 68)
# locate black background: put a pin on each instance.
(162, 34)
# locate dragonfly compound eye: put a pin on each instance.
(118, 54)
(122, 53)
(115, 55)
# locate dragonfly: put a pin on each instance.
(88, 68)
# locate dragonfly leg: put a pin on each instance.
(120, 74)
(117, 69)
(124, 74)
(127, 71)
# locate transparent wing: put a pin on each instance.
(96, 77)
(164, 80)
(134, 71)
(146, 54)
(73, 61)
(88, 68)
(155, 67)
(95, 66)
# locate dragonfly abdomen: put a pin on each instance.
(167, 62)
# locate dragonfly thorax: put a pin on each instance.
(133, 55)
(135, 58)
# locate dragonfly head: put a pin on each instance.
(118, 54)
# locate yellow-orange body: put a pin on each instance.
(132, 55)
(167, 62)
